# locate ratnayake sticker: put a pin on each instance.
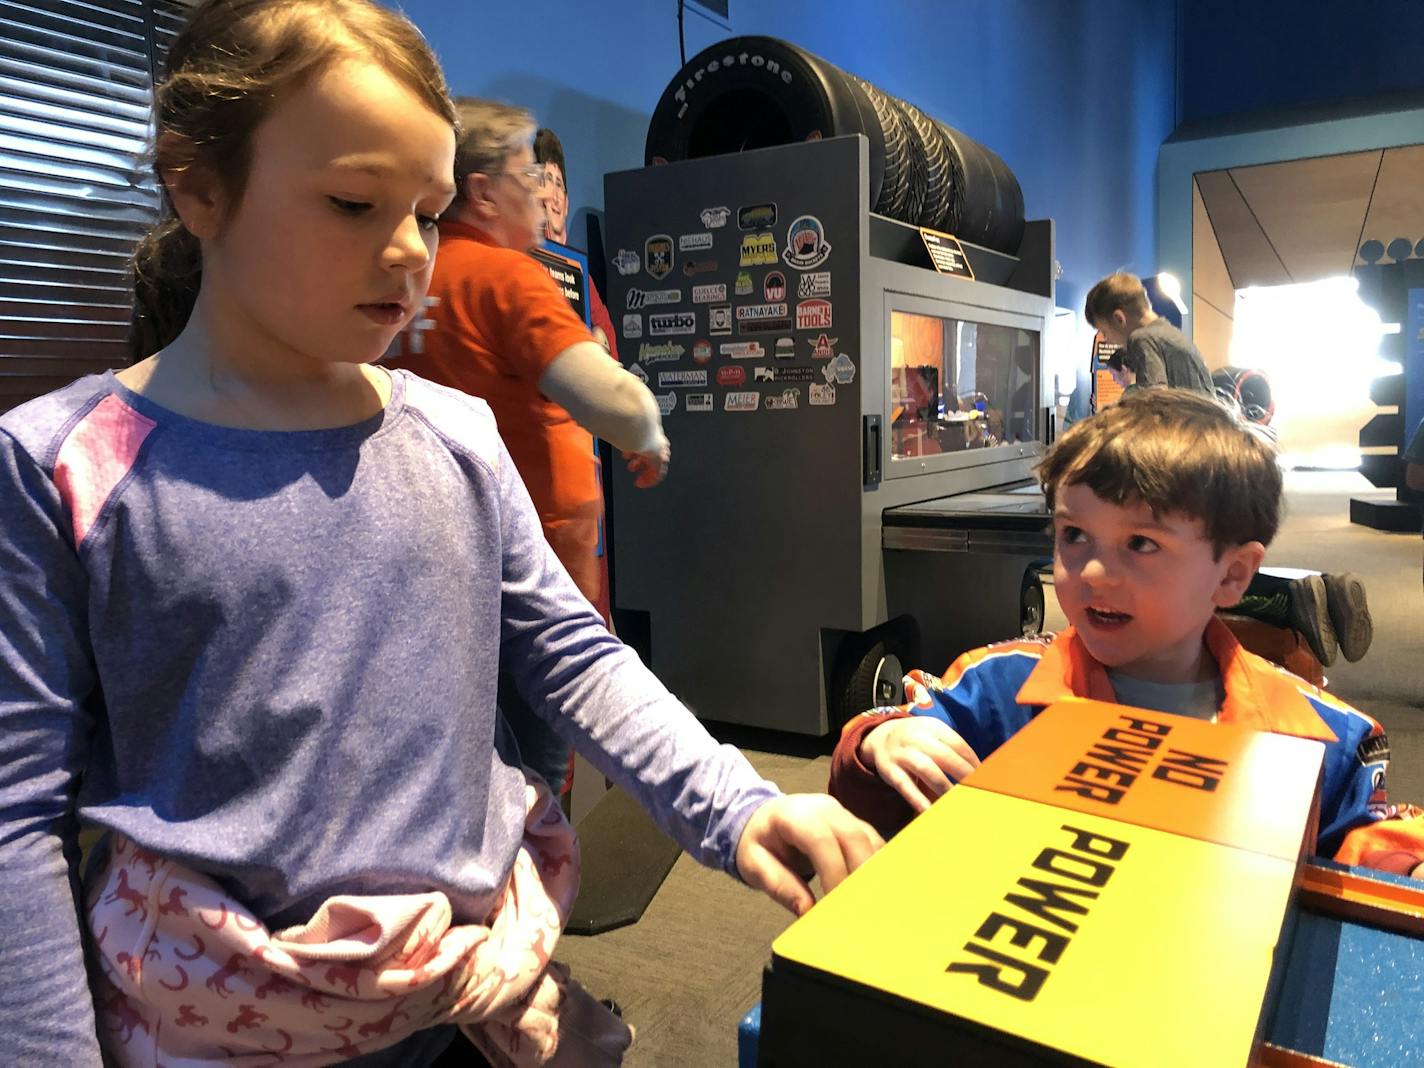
(822, 396)
(756, 216)
(666, 402)
(752, 312)
(627, 262)
(806, 244)
(719, 319)
(632, 325)
(745, 401)
(659, 353)
(702, 402)
(840, 371)
(672, 324)
(815, 284)
(715, 218)
(813, 315)
(758, 249)
(789, 398)
(657, 256)
(675, 379)
(743, 350)
(710, 294)
(641, 298)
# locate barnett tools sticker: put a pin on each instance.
(773, 286)
(666, 402)
(641, 298)
(822, 396)
(731, 376)
(816, 284)
(743, 350)
(813, 315)
(823, 348)
(806, 244)
(657, 253)
(744, 284)
(757, 216)
(719, 319)
(840, 371)
(758, 249)
(675, 379)
(700, 241)
(627, 262)
(659, 353)
(632, 326)
(671, 324)
(742, 402)
(698, 402)
(789, 398)
(701, 351)
(715, 218)
(709, 294)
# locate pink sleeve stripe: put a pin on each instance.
(95, 457)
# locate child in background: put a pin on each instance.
(256, 593)
(1163, 506)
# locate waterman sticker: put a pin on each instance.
(709, 294)
(701, 351)
(715, 218)
(822, 396)
(813, 315)
(672, 323)
(719, 319)
(641, 298)
(840, 371)
(816, 284)
(773, 286)
(788, 398)
(699, 402)
(744, 284)
(666, 402)
(806, 244)
(632, 326)
(823, 347)
(743, 350)
(676, 379)
(659, 353)
(756, 216)
(758, 249)
(742, 402)
(731, 376)
(657, 253)
(696, 242)
(627, 262)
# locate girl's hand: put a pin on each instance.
(921, 757)
(789, 838)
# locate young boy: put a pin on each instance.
(1155, 351)
(1162, 510)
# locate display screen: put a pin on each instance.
(956, 385)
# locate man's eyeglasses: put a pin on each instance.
(533, 174)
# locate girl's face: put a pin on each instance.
(329, 252)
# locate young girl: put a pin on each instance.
(256, 593)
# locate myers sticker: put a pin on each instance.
(731, 376)
(743, 350)
(781, 374)
(627, 262)
(701, 351)
(632, 326)
(840, 371)
(785, 348)
(675, 379)
(823, 348)
(670, 324)
(715, 218)
(815, 284)
(691, 267)
(822, 396)
(773, 286)
(666, 402)
(698, 242)
(719, 319)
(657, 254)
(756, 216)
(701, 402)
(749, 312)
(655, 353)
(806, 244)
(709, 294)
(744, 284)
(742, 402)
(788, 398)
(813, 315)
(641, 298)
(758, 249)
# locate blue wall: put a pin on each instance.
(1076, 116)
(1265, 54)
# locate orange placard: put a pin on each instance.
(1215, 782)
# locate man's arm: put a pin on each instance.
(606, 401)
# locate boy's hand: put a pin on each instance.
(649, 468)
(921, 757)
(791, 836)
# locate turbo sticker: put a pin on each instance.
(806, 244)
(658, 255)
(715, 218)
(758, 249)
(773, 286)
(627, 262)
(641, 298)
(672, 324)
(746, 401)
(813, 315)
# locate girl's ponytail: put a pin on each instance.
(167, 269)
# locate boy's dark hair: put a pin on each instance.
(1117, 292)
(1114, 362)
(1180, 453)
(548, 149)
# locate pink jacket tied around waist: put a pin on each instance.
(191, 978)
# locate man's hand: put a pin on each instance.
(921, 757)
(791, 836)
(649, 468)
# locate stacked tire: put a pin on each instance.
(753, 92)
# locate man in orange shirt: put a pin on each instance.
(497, 327)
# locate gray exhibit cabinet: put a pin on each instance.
(853, 436)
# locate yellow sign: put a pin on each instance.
(1104, 940)
(758, 249)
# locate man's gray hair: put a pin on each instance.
(489, 133)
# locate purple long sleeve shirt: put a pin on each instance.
(272, 657)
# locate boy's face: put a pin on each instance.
(1140, 589)
(1115, 328)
